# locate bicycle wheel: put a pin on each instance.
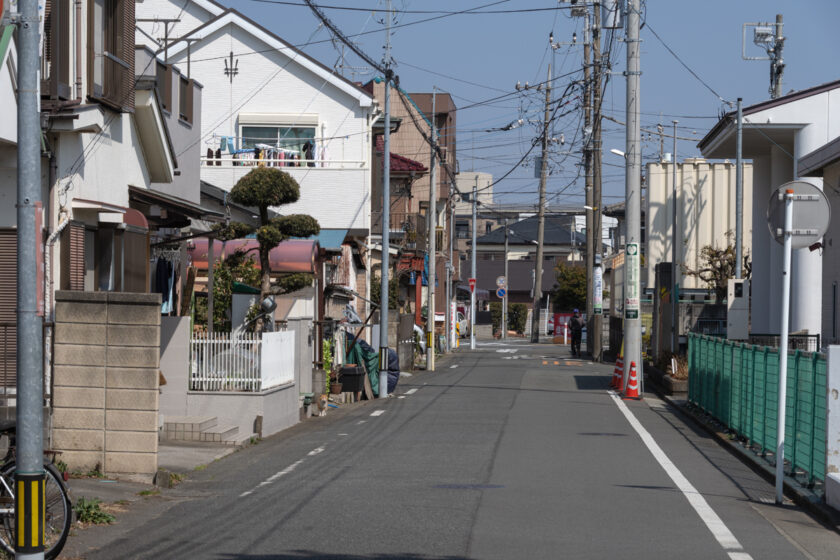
(59, 511)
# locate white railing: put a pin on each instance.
(248, 363)
(228, 161)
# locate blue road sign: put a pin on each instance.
(501, 292)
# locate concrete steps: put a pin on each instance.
(200, 429)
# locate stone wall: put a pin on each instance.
(105, 382)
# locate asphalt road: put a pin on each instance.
(511, 451)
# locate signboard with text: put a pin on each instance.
(598, 291)
(632, 263)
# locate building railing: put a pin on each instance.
(249, 362)
(738, 384)
(804, 342)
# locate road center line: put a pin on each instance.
(275, 476)
(316, 451)
(453, 366)
(378, 412)
(715, 524)
(411, 391)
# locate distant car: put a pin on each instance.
(463, 325)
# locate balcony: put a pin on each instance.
(407, 229)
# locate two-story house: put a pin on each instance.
(268, 103)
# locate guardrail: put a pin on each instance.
(738, 385)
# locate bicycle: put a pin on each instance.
(59, 512)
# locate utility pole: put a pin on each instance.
(777, 66)
(632, 192)
(449, 285)
(675, 286)
(29, 472)
(430, 305)
(472, 270)
(597, 331)
(538, 265)
(739, 194)
(507, 287)
(587, 164)
(768, 37)
(386, 217)
(447, 314)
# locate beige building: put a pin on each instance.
(705, 214)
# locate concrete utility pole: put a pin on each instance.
(29, 471)
(632, 192)
(739, 194)
(777, 66)
(597, 331)
(675, 286)
(386, 217)
(587, 165)
(538, 265)
(430, 305)
(507, 287)
(447, 311)
(449, 294)
(472, 270)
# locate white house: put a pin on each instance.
(777, 133)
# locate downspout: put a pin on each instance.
(49, 316)
(78, 50)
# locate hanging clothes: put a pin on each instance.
(309, 153)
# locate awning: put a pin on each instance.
(170, 203)
(154, 137)
(330, 239)
(294, 255)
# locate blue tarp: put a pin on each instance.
(329, 239)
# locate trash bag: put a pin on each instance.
(393, 370)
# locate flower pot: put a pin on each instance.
(335, 388)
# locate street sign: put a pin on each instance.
(501, 281)
(598, 290)
(631, 273)
(501, 293)
(811, 214)
(472, 285)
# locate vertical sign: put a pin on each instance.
(598, 291)
(453, 322)
(631, 281)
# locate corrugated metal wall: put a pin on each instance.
(705, 213)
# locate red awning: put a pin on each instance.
(294, 255)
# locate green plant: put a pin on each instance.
(61, 466)
(517, 317)
(153, 492)
(570, 291)
(90, 511)
(326, 350)
(254, 440)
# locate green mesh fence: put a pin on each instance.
(738, 384)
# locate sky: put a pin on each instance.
(478, 58)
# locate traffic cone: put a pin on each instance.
(618, 373)
(632, 384)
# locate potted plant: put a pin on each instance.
(326, 351)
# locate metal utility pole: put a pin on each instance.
(449, 294)
(29, 471)
(587, 164)
(447, 311)
(430, 305)
(675, 287)
(472, 270)
(739, 194)
(386, 218)
(632, 192)
(538, 265)
(597, 331)
(507, 287)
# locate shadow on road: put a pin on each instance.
(309, 554)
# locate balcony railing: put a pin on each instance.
(407, 229)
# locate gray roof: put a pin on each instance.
(557, 231)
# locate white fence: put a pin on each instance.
(248, 363)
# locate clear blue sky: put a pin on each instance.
(479, 57)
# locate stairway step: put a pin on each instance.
(187, 428)
(220, 434)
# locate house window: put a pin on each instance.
(55, 64)
(185, 95)
(111, 53)
(287, 137)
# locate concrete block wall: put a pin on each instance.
(105, 382)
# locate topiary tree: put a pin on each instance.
(263, 188)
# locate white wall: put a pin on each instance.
(8, 124)
(705, 213)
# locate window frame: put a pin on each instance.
(186, 91)
(111, 54)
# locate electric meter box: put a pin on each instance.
(738, 309)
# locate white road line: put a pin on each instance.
(378, 412)
(401, 397)
(274, 477)
(715, 524)
(361, 422)
(453, 366)
(411, 391)
(316, 451)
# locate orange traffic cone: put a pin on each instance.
(618, 373)
(632, 384)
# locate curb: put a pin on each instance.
(804, 499)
